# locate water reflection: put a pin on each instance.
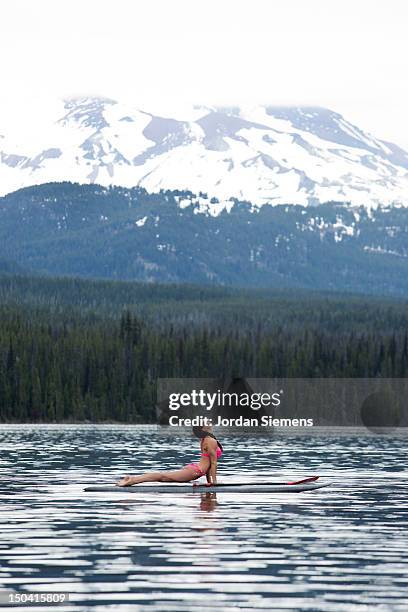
(341, 548)
(208, 501)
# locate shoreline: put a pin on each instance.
(225, 431)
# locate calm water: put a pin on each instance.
(340, 548)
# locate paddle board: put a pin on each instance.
(174, 489)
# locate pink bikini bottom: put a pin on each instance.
(196, 468)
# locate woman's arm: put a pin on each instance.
(213, 468)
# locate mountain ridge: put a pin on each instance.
(264, 155)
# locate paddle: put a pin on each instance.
(246, 484)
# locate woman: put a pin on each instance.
(211, 451)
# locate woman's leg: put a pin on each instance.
(184, 475)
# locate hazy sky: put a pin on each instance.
(348, 55)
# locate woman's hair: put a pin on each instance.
(199, 432)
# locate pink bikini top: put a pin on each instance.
(219, 453)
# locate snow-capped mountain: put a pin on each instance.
(274, 155)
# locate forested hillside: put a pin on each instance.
(172, 237)
(74, 350)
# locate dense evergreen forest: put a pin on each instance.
(74, 350)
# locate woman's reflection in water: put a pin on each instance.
(208, 501)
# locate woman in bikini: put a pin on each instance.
(211, 451)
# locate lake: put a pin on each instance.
(344, 547)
